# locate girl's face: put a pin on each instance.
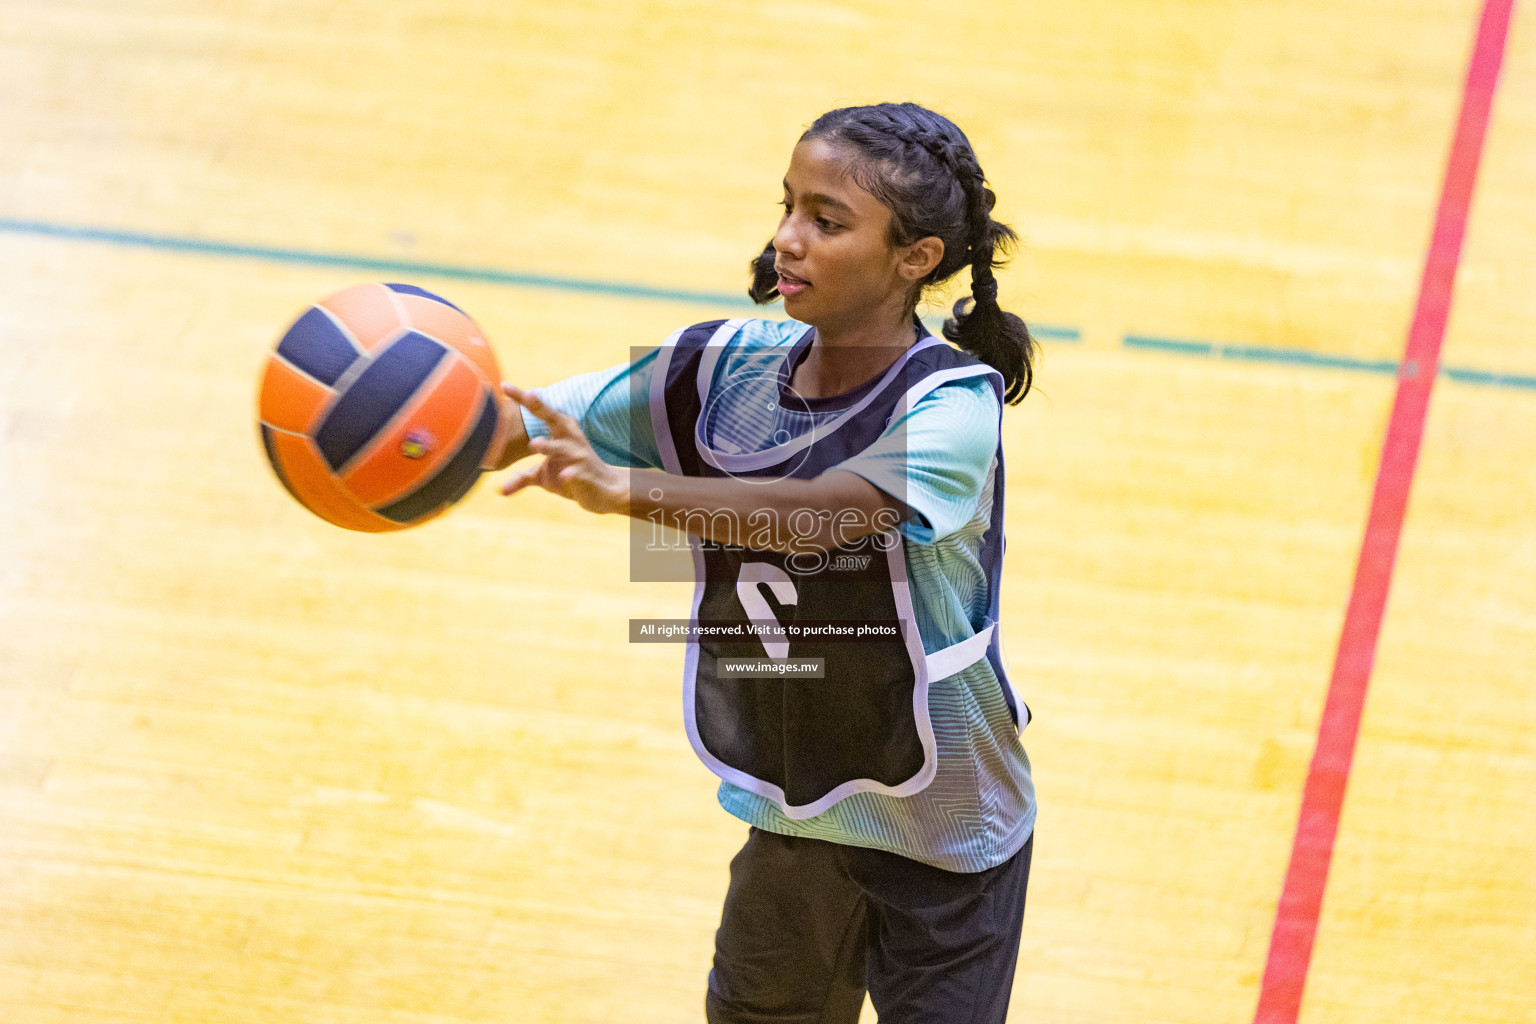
(835, 260)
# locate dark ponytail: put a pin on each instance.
(992, 334)
(765, 280)
(921, 166)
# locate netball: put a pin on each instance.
(378, 406)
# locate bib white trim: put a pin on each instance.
(746, 462)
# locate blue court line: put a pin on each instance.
(1304, 357)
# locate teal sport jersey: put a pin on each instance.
(939, 459)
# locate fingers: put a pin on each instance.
(543, 475)
(551, 472)
(559, 423)
(518, 480)
(569, 463)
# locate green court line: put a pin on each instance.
(353, 261)
(1304, 357)
(1192, 348)
(935, 322)
(407, 268)
(1502, 380)
(620, 289)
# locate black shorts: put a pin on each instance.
(809, 925)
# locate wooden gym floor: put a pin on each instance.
(256, 769)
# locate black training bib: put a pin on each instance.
(804, 743)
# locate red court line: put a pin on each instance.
(1301, 900)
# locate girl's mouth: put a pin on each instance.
(790, 286)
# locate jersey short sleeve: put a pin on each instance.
(936, 458)
(613, 409)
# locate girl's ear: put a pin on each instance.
(918, 259)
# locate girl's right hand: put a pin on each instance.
(570, 467)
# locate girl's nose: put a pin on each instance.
(787, 239)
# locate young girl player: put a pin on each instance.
(838, 470)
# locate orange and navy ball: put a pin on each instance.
(379, 406)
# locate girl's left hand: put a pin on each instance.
(570, 468)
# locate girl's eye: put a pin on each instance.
(829, 226)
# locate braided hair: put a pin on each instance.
(921, 166)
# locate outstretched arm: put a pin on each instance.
(790, 516)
